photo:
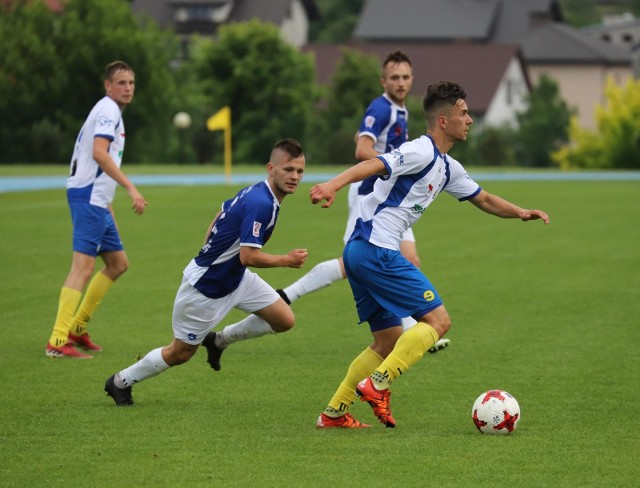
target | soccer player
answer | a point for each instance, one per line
(217, 279)
(95, 172)
(385, 284)
(382, 129)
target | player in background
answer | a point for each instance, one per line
(385, 284)
(95, 172)
(217, 279)
(384, 128)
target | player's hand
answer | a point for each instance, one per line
(297, 257)
(535, 215)
(139, 203)
(323, 192)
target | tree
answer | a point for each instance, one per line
(355, 82)
(544, 126)
(338, 19)
(616, 141)
(52, 71)
(268, 84)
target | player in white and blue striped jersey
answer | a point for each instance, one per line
(385, 284)
(94, 174)
(218, 279)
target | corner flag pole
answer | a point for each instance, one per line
(221, 120)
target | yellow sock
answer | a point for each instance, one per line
(360, 368)
(96, 291)
(67, 305)
(410, 348)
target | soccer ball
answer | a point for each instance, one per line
(495, 412)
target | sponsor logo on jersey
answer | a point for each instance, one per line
(397, 154)
(256, 229)
(429, 296)
(369, 120)
(417, 209)
(103, 121)
(191, 336)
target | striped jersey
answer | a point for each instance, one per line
(248, 219)
(417, 174)
(387, 124)
(87, 182)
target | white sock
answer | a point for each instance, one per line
(248, 328)
(321, 275)
(408, 322)
(150, 365)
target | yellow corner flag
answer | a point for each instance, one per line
(221, 120)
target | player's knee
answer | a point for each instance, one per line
(442, 325)
(284, 323)
(120, 267)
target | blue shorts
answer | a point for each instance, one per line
(94, 230)
(386, 286)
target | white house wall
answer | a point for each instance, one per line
(295, 28)
(509, 98)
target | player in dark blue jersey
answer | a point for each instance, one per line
(218, 279)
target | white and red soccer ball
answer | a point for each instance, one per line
(496, 412)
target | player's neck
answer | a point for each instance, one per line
(441, 141)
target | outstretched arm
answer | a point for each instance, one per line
(256, 258)
(494, 205)
(327, 191)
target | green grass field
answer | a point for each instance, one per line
(548, 313)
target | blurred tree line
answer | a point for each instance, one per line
(51, 74)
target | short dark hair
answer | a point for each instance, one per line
(290, 146)
(396, 56)
(114, 67)
(439, 96)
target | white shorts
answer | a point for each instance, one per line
(352, 203)
(194, 314)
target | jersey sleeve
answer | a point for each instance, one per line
(375, 120)
(410, 158)
(258, 219)
(460, 184)
(107, 119)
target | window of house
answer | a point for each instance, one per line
(217, 12)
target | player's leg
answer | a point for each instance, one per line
(408, 350)
(409, 250)
(268, 314)
(82, 266)
(194, 315)
(361, 367)
(115, 264)
(320, 276)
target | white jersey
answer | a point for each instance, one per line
(417, 174)
(87, 181)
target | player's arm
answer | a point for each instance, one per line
(364, 148)
(102, 157)
(256, 258)
(213, 222)
(327, 191)
(494, 205)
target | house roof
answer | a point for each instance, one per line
(479, 68)
(53, 5)
(272, 11)
(436, 20)
(516, 17)
(559, 43)
(426, 19)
